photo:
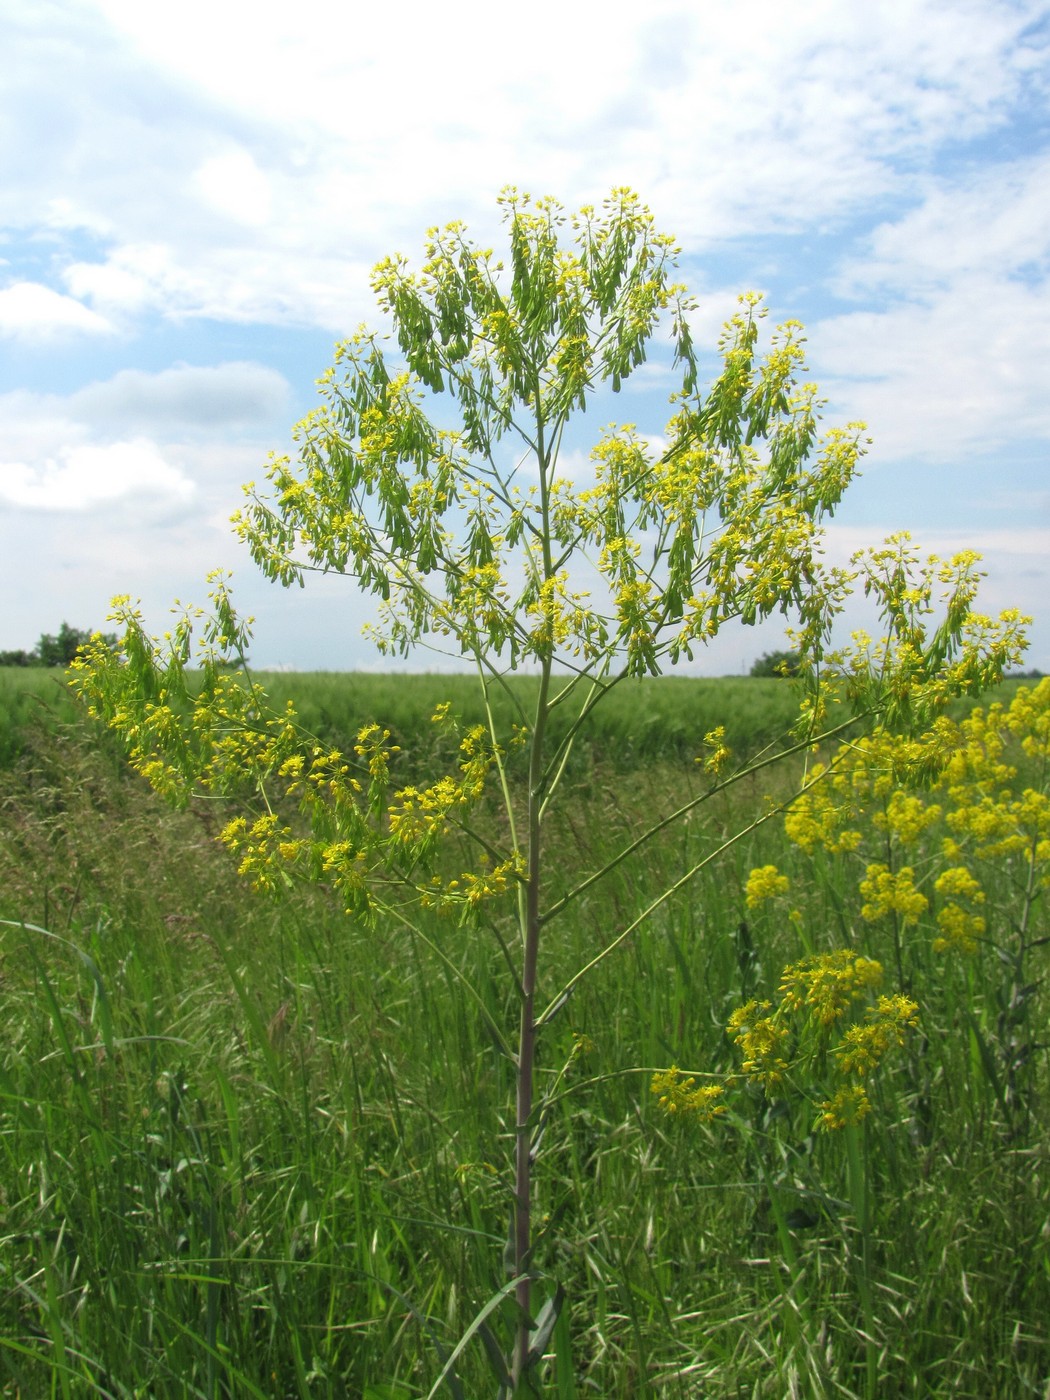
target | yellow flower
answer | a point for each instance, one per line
(765, 882)
(864, 1047)
(958, 883)
(677, 1093)
(826, 985)
(845, 1108)
(959, 929)
(906, 816)
(888, 893)
(763, 1042)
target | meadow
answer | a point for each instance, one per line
(254, 1148)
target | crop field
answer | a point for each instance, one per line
(254, 1146)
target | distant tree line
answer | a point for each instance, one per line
(785, 663)
(57, 650)
(776, 663)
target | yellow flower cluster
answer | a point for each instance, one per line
(891, 892)
(218, 734)
(815, 1030)
(563, 618)
(973, 792)
(719, 752)
(764, 1040)
(1004, 825)
(263, 848)
(765, 882)
(868, 778)
(471, 887)
(846, 1107)
(678, 1094)
(992, 815)
(374, 747)
(863, 1047)
(906, 816)
(418, 814)
(960, 927)
(824, 815)
(824, 986)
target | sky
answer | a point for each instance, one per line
(192, 197)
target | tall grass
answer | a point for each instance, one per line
(247, 1149)
(660, 719)
(657, 719)
(29, 694)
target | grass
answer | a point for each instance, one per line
(642, 721)
(652, 721)
(253, 1149)
(27, 694)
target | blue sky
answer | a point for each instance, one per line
(192, 197)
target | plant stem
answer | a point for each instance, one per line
(530, 961)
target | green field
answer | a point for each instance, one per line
(661, 718)
(255, 1148)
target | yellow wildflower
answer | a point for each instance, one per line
(678, 1093)
(763, 1042)
(888, 893)
(864, 1047)
(825, 985)
(765, 882)
(845, 1108)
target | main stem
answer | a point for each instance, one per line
(527, 1038)
(530, 960)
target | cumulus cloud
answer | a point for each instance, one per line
(134, 278)
(186, 398)
(290, 164)
(990, 221)
(965, 373)
(30, 311)
(234, 184)
(226, 281)
(126, 486)
(958, 359)
(82, 478)
(139, 437)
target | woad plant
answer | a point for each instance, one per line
(432, 476)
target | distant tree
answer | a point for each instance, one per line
(60, 650)
(57, 650)
(777, 663)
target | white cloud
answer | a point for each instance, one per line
(968, 373)
(959, 359)
(233, 184)
(897, 70)
(774, 127)
(178, 440)
(172, 406)
(991, 222)
(30, 311)
(134, 277)
(187, 399)
(266, 283)
(289, 163)
(83, 477)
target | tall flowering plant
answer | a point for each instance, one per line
(433, 476)
(936, 849)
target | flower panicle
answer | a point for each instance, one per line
(679, 1095)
